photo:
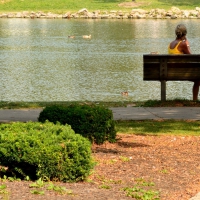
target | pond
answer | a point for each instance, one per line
(39, 62)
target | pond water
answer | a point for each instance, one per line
(39, 62)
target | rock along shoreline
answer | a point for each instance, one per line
(173, 13)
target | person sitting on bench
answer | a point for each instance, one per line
(181, 46)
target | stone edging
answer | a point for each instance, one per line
(173, 13)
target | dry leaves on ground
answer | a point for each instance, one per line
(170, 162)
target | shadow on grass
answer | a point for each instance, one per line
(131, 144)
(151, 127)
(180, 2)
(122, 144)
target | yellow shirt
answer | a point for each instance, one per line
(174, 50)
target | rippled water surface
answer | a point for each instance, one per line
(39, 62)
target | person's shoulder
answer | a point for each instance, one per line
(184, 43)
(173, 44)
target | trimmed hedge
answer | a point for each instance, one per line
(44, 150)
(93, 122)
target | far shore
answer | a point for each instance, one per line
(173, 13)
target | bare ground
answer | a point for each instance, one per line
(130, 4)
(170, 162)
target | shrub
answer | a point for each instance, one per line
(44, 150)
(93, 122)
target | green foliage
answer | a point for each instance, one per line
(38, 184)
(138, 191)
(4, 192)
(49, 151)
(39, 192)
(93, 122)
(124, 159)
(40, 187)
(58, 189)
(2, 187)
(104, 186)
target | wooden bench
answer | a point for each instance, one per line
(165, 67)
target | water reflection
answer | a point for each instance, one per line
(39, 62)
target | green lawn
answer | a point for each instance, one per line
(61, 6)
(149, 103)
(16, 105)
(167, 127)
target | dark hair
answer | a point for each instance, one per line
(180, 30)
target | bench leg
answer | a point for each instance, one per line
(163, 90)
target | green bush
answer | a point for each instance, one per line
(44, 150)
(93, 122)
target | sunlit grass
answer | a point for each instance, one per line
(167, 4)
(61, 6)
(151, 127)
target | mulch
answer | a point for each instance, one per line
(172, 163)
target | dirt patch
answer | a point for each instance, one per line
(4, 1)
(130, 4)
(170, 162)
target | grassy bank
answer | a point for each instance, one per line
(61, 6)
(149, 103)
(16, 105)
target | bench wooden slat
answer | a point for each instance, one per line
(183, 67)
(183, 73)
(165, 67)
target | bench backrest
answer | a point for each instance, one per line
(171, 67)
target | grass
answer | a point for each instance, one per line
(12, 105)
(171, 103)
(145, 127)
(167, 4)
(149, 103)
(165, 127)
(61, 6)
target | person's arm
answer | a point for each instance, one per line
(185, 47)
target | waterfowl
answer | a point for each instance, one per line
(125, 93)
(86, 36)
(71, 36)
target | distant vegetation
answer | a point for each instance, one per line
(61, 6)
